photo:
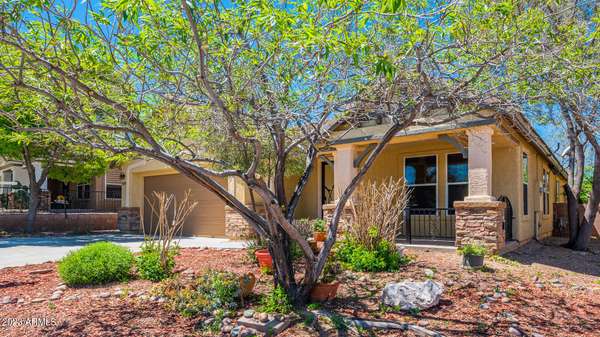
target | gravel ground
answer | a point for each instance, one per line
(559, 296)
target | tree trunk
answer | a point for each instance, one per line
(34, 201)
(572, 216)
(283, 273)
(591, 210)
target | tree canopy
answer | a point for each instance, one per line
(249, 89)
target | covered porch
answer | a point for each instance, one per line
(461, 179)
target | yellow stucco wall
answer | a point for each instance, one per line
(507, 150)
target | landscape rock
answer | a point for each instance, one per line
(248, 313)
(428, 272)
(514, 331)
(7, 300)
(235, 331)
(412, 295)
(21, 301)
(56, 295)
(38, 300)
(263, 317)
(118, 293)
(73, 297)
(484, 306)
(104, 294)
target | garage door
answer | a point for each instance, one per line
(207, 219)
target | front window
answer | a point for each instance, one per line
(546, 192)
(421, 176)
(7, 176)
(525, 172)
(113, 191)
(458, 178)
(83, 191)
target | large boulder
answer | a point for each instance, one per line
(408, 295)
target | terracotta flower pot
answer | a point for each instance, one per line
(314, 246)
(324, 291)
(264, 258)
(319, 236)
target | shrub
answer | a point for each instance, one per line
(252, 245)
(377, 209)
(150, 265)
(319, 225)
(211, 291)
(277, 301)
(158, 251)
(472, 249)
(304, 226)
(96, 263)
(357, 257)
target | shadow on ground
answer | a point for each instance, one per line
(69, 240)
(550, 253)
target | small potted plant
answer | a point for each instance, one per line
(473, 255)
(319, 230)
(326, 288)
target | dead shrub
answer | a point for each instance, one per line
(377, 208)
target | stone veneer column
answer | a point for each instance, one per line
(236, 227)
(44, 201)
(128, 219)
(480, 223)
(346, 218)
(480, 164)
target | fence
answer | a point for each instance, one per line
(17, 197)
(428, 224)
(14, 197)
(75, 201)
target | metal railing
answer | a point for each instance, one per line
(75, 201)
(428, 224)
(14, 197)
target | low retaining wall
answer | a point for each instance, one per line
(58, 222)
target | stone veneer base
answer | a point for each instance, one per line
(480, 223)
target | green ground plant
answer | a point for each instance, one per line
(472, 249)
(357, 257)
(149, 262)
(277, 301)
(211, 291)
(96, 263)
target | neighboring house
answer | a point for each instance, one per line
(12, 173)
(457, 171)
(101, 193)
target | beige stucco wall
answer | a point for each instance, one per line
(507, 152)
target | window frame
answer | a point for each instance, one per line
(83, 185)
(113, 185)
(12, 176)
(545, 192)
(437, 175)
(448, 183)
(106, 184)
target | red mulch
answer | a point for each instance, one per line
(568, 308)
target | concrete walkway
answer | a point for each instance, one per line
(21, 251)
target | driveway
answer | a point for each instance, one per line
(20, 251)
